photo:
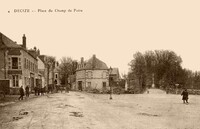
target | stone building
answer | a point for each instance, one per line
(92, 74)
(56, 74)
(17, 64)
(114, 75)
(41, 71)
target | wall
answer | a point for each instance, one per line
(97, 78)
(2, 64)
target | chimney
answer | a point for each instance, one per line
(94, 61)
(35, 49)
(24, 41)
(82, 60)
(94, 56)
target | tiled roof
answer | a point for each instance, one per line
(95, 63)
(8, 42)
(114, 71)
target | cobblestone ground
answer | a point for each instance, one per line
(76, 110)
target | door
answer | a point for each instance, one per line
(104, 85)
(80, 85)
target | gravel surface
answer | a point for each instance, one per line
(76, 110)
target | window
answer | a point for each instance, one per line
(25, 63)
(19, 63)
(14, 63)
(104, 84)
(9, 63)
(56, 75)
(55, 81)
(29, 65)
(89, 74)
(104, 74)
(89, 84)
(33, 67)
(15, 80)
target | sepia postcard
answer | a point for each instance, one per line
(101, 64)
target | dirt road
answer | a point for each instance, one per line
(76, 110)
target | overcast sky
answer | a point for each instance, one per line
(112, 29)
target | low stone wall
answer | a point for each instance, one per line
(190, 91)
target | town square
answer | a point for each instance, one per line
(99, 64)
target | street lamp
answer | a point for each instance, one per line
(110, 80)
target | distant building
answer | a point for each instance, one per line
(56, 74)
(41, 71)
(114, 75)
(17, 64)
(92, 74)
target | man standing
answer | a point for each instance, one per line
(21, 91)
(185, 96)
(27, 91)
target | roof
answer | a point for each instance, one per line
(94, 64)
(114, 71)
(8, 42)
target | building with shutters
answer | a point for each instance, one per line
(92, 74)
(18, 64)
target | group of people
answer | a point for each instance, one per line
(39, 91)
(21, 91)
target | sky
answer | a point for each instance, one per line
(112, 30)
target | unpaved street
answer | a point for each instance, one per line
(76, 110)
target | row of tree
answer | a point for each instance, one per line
(162, 68)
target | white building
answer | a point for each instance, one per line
(92, 74)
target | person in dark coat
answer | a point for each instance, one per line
(21, 91)
(185, 96)
(27, 91)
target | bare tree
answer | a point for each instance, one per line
(67, 67)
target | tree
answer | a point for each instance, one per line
(138, 65)
(67, 67)
(162, 66)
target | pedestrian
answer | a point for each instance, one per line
(35, 89)
(21, 91)
(185, 96)
(27, 91)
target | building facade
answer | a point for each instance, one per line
(92, 74)
(17, 64)
(56, 74)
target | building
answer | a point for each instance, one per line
(41, 71)
(114, 76)
(17, 64)
(92, 74)
(56, 74)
